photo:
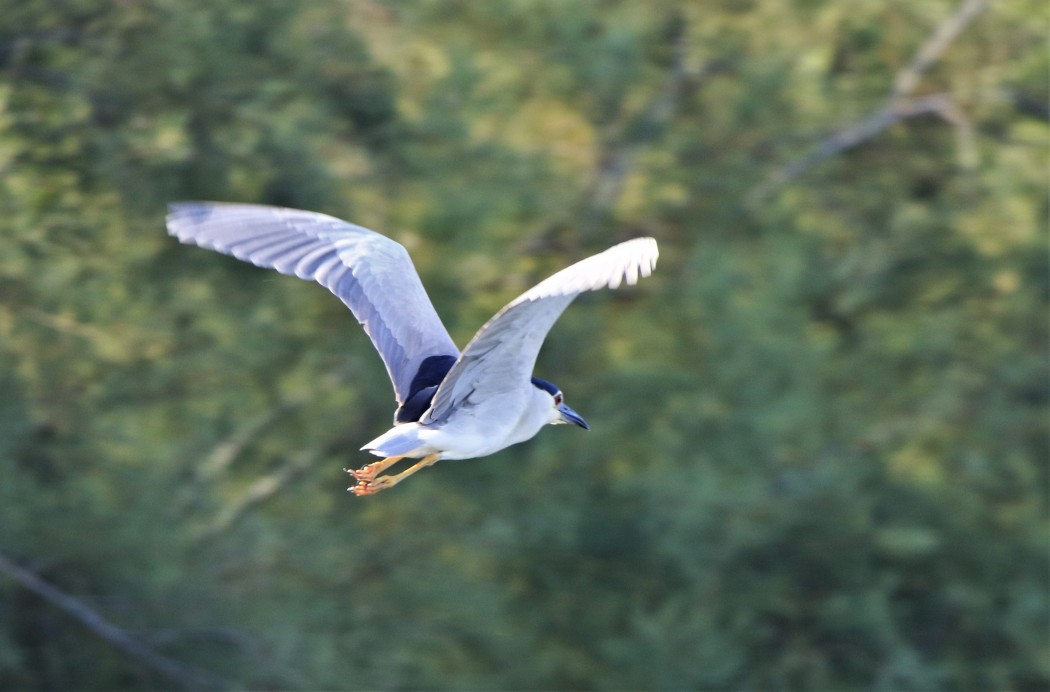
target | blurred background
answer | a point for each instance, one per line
(819, 447)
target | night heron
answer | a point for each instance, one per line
(451, 405)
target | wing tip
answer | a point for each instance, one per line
(624, 262)
(648, 254)
(182, 215)
(639, 260)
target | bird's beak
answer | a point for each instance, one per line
(570, 416)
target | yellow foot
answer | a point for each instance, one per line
(368, 472)
(371, 487)
(368, 483)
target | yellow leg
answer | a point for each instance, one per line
(374, 484)
(370, 471)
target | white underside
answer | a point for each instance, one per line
(471, 432)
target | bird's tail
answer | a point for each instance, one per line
(401, 440)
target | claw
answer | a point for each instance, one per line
(368, 472)
(369, 483)
(362, 488)
(371, 487)
(365, 473)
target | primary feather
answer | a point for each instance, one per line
(503, 352)
(372, 274)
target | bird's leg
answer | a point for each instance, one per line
(374, 484)
(370, 471)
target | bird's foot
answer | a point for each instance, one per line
(370, 483)
(371, 487)
(368, 472)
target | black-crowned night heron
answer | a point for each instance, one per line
(451, 405)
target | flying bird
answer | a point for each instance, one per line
(451, 404)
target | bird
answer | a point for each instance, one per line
(452, 404)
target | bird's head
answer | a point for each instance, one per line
(560, 413)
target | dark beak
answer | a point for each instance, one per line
(570, 416)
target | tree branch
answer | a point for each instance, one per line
(258, 492)
(266, 487)
(113, 635)
(223, 454)
(930, 51)
(899, 105)
(624, 140)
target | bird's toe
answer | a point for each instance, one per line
(365, 473)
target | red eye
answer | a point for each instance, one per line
(558, 398)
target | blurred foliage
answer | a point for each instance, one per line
(819, 456)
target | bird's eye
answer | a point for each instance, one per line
(558, 398)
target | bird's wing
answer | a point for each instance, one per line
(502, 354)
(372, 274)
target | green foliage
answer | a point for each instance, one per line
(819, 456)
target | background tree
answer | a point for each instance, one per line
(819, 456)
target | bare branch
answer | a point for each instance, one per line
(258, 492)
(625, 139)
(620, 148)
(265, 488)
(894, 112)
(898, 106)
(908, 78)
(223, 454)
(113, 635)
(226, 451)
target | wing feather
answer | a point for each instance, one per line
(503, 352)
(370, 273)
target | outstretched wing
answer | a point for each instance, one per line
(503, 353)
(372, 274)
